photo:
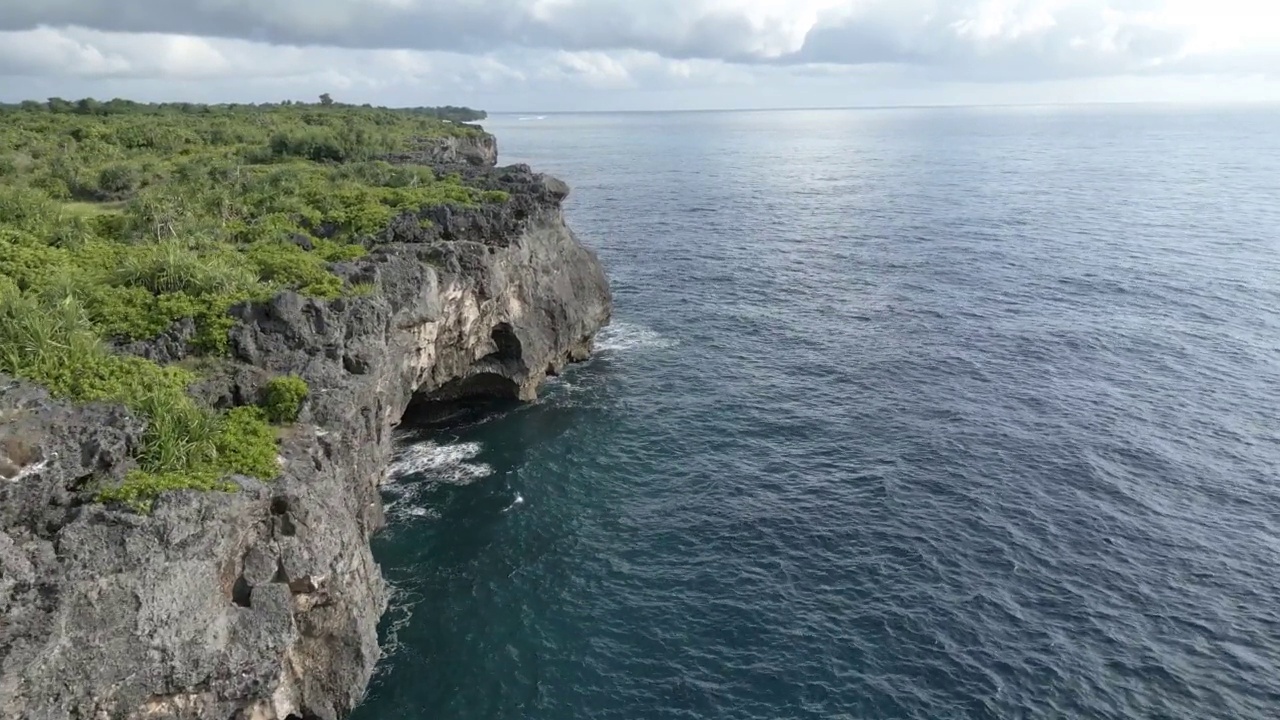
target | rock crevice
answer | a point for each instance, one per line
(263, 604)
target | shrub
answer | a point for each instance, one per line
(282, 399)
(289, 265)
(54, 187)
(73, 233)
(48, 344)
(241, 442)
(140, 488)
(161, 215)
(111, 226)
(27, 261)
(213, 324)
(364, 289)
(119, 180)
(126, 311)
(312, 144)
(171, 266)
(331, 251)
(271, 227)
(27, 209)
(180, 434)
(246, 444)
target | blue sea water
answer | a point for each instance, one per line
(944, 413)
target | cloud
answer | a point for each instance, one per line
(530, 46)
(676, 28)
(1004, 39)
(193, 68)
(45, 50)
(1062, 36)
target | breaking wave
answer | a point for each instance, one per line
(451, 464)
(421, 466)
(623, 336)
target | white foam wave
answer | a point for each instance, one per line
(400, 605)
(405, 508)
(419, 467)
(621, 337)
(563, 385)
(442, 463)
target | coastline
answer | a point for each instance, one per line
(263, 603)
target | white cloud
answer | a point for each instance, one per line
(740, 30)
(565, 47)
(48, 51)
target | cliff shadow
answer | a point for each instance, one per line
(461, 402)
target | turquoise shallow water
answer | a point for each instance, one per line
(904, 414)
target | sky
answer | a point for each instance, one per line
(566, 55)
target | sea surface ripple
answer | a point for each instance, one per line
(963, 413)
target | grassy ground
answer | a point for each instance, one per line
(92, 209)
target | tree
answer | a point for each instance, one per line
(326, 100)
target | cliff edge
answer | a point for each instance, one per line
(263, 604)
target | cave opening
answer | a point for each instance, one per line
(461, 402)
(487, 390)
(507, 347)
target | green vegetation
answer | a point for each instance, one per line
(452, 113)
(284, 396)
(151, 214)
(246, 444)
(185, 446)
(119, 219)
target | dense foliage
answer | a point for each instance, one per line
(118, 106)
(284, 396)
(119, 219)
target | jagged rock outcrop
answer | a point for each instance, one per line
(263, 604)
(479, 150)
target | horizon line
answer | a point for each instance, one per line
(932, 106)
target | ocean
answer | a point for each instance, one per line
(909, 413)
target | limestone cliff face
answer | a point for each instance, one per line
(263, 604)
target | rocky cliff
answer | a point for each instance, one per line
(263, 604)
(478, 150)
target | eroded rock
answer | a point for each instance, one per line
(263, 604)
